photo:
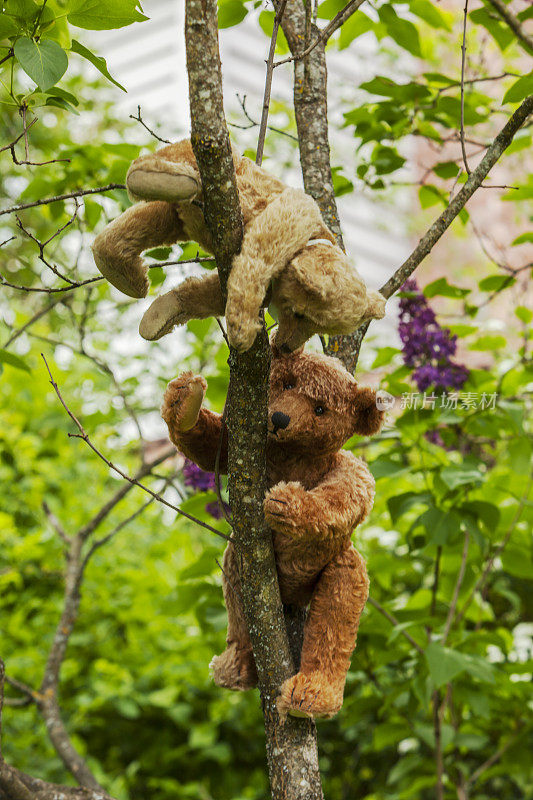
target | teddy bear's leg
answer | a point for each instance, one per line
(169, 174)
(329, 639)
(118, 247)
(270, 240)
(195, 298)
(235, 668)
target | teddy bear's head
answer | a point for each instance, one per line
(315, 405)
(320, 292)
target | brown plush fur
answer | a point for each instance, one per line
(317, 494)
(315, 289)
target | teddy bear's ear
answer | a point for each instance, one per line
(368, 417)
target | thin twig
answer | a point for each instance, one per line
(268, 83)
(31, 321)
(492, 759)
(457, 589)
(138, 118)
(338, 20)
(55, 523)
(394, 621)
(84, 435)
(463, 62)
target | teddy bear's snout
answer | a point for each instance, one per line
(280, 421)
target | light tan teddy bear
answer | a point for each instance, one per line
(286, 247)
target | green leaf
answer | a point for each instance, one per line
(439, 525)
(430, 196)
(459, 475)
(102, 15)
(45, 62)
(445, 664)
(495, 283)
(231, 12)
(430, 13)
(489, 342)
(404, 92)
(385, 356)
(400, 30)
(442, 288)
(500, 32)
(446, 169)
(355, 26)
(524, 238)
(524, 314)
(97, 61)
(521, 89)
(8, 26)
(401, 503)
(14, 361)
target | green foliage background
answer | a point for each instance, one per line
(135, 687)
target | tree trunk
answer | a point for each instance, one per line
(291, 746)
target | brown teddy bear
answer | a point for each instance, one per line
(317, 494)
(286, 246)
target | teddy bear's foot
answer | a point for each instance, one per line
(128, 276)
(164, 313)
(234, 669)
(151, 178)
(310, 696)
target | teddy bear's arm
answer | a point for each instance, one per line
(330, 510)
(118, 247)
(194, 430)
(270, 241)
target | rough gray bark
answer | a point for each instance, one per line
(291, 747)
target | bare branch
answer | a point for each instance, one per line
(513, 23)
(268, 83)
(338, 20)
(394, 621)
(442, 223)
(55, 523)
(457, 589)
(37, 316)
(138, 118)
(57, 198)
(84, 435)
(463, 62)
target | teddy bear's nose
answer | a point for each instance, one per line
(279, 420)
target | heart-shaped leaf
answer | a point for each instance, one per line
(45, 62)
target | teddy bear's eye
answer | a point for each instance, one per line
(298, 316)
(287, 386)
(319, 410)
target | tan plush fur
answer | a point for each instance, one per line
(317, 495)
(315, 289)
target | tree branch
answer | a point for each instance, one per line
(134, 481)
(268, 83)
(513, 23)
(443, 222)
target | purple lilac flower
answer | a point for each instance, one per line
(427, 347)
(213, 508)
(197, 478)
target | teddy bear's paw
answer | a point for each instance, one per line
(282, 507)
(234, 669)
(309, 695)
(241, 334)
(161, 317)
(129, 276)
(183, 399)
